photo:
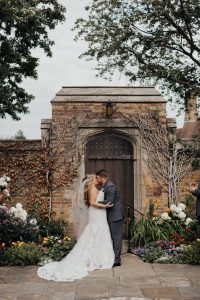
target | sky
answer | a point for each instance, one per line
(63, 69)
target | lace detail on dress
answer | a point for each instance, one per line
(94, 250)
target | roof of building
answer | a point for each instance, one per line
(190, 130)
(104, 93)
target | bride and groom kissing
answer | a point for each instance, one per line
(100, 238)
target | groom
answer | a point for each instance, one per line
(115, 214)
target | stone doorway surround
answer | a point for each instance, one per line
(119, 128)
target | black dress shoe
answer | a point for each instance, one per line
(116, 264)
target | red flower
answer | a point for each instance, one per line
(188, 229)
(178, 237)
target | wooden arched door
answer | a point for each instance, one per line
(114, 153)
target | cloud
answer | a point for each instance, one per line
(63, 69)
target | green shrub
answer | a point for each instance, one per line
(151, 254)
(51, 228)
(147, 230)
(55, 248)
(191, 255)
(21, 255)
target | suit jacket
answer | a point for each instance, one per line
(197, 194)
(111, 194)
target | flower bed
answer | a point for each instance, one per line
(20, 254)
(170, 237)
(55, 248)
(29, 239)
(170, 252)
(21, 242)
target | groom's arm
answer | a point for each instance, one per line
(110, 194)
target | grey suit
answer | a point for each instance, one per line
(197, 194)
(115, 216)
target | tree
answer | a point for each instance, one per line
(168, 160)
(24, 26)
(151, 41)
(19, 135)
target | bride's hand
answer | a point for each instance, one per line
(108, 205)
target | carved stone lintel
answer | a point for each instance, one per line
(107, 123)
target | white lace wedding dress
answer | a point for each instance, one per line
(94, 250)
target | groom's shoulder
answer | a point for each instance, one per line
(109, 184)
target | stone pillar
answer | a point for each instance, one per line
(171, 126)
(45, 131)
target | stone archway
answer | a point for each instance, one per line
(112, 151)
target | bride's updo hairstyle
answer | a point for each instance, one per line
(87, 180)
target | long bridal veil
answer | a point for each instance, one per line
(80, 212)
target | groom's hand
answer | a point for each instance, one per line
(108, 205)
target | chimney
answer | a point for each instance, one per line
(191, 112)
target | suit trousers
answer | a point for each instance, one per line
(116, 229)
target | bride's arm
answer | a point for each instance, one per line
(92, 199)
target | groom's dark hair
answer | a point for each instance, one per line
(102, 173)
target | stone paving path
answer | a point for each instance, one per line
(134, 280)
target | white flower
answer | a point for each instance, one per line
(162, 258)
(4, 181)
(173, 207)
(23, 216)
(182, 206)
(12, 209)
(18, 212)
(188, 221)
(33, 221)
(181, 215)
(178, 210)
(19, 206)
(165, 216)
(3, 206)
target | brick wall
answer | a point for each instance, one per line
(23, 161)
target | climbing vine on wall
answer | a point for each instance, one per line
(38, 169)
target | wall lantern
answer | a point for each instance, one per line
(109, 109)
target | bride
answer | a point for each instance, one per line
(94, 249)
